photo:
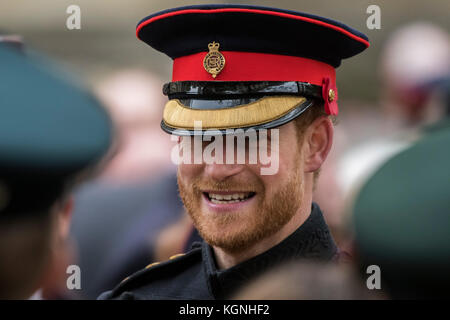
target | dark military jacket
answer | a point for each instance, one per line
(194, 275)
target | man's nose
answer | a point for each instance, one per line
(220, 172)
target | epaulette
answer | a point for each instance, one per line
(157, 270)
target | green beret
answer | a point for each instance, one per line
(402, 219)
(50, 129)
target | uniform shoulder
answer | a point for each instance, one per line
(155, 272)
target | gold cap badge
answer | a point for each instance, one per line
(214, 61)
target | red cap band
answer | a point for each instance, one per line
(249, 66)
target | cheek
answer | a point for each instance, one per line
(286, 164)
(273, 182)
(290, 158)
(189, 172)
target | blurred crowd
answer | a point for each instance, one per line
(126, 213)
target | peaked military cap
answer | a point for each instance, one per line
(50, 129)
(402, 219)
(241, 66)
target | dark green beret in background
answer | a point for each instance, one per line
(50, 130)
(402, 219)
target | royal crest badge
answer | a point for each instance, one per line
(214, 61)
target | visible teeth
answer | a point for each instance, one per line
(228, 198)
(220, 202)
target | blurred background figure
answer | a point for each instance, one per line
(414, 57)
(402, 220)
(309, 281)
(414, 84)
(135, 101)
(52, 133)
(131, 214)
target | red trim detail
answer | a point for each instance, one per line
(274, 13)
(249, 66)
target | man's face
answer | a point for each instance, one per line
(233, 206)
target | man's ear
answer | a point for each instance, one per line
(318, 140)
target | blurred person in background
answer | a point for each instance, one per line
(401, 219)
(133, 98)
(53, 282)
(52, 133)
(414, 56)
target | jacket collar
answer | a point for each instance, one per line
(311, 240)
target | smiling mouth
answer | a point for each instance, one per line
(228, 197)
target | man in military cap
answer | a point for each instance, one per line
(51, 132)
(273, 79)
